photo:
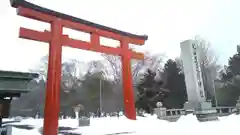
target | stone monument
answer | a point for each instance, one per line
(194, 83)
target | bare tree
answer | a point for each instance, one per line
(72, 72)
(97, 66)
(114, 68)
(42, 68)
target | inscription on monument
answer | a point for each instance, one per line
(198, 69)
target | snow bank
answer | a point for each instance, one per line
(187, 125)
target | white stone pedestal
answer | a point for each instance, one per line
(202, 110)
(77, 115)
(161, 112)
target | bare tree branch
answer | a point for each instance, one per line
(150, 61)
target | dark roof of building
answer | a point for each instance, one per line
(8, 81)
(18, 75)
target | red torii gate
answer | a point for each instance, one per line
(56, 40)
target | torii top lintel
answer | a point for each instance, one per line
(117, 34)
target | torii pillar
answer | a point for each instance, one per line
(56, 40)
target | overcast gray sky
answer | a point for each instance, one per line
(166, 22)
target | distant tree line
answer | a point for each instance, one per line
(153, 80)
(229, 89)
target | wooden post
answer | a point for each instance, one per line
(52, 104)
(128, 93)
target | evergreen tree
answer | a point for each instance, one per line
(234, 63)
(229, 93)
(150, 92)
(233, 69)
(176, 84)
(226, 75)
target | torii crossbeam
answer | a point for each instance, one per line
(56, 40)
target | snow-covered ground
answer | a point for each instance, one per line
(149, 125)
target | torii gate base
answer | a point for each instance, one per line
(56, 40)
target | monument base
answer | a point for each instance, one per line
(190, 106)
(202, 110)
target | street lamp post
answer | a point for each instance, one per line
(100, 76)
